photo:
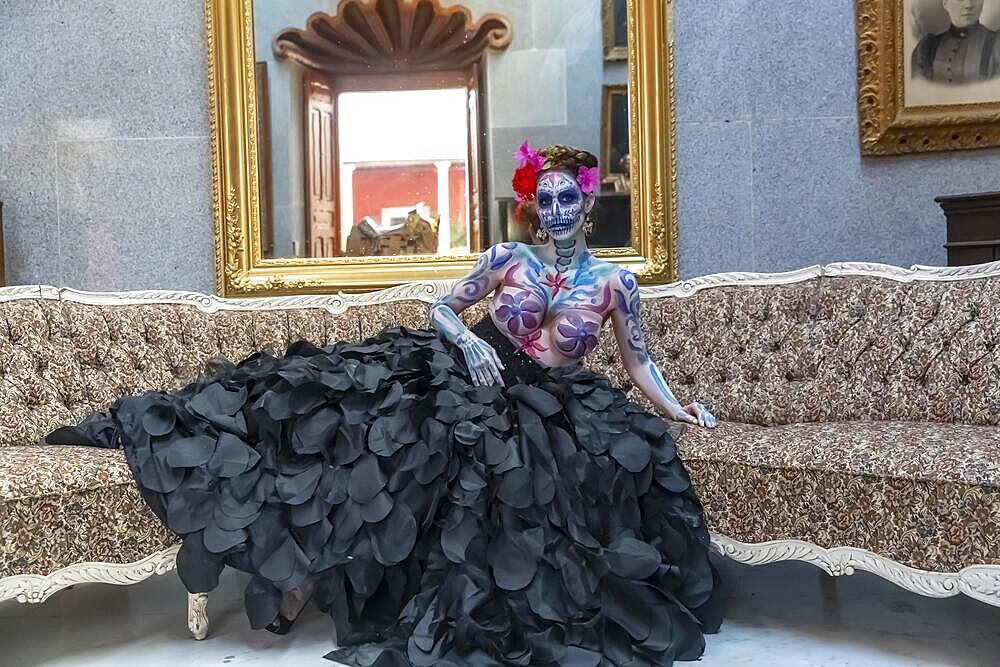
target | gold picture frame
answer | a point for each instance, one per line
(609, 95)
(613, 48)
(242, 271)
(888, 125)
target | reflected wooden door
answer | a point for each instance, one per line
(473, 172)
(321, 192)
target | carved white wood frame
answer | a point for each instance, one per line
(981, 582)
(37, 588)
(430, 291)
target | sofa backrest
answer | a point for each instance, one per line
(836, 343)
(840, 346)
(829, 344)
(65, 354)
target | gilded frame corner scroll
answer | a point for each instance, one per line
(241, 270)
(887, 126)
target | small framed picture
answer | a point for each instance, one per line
(616, 183)
(928, 75)
(615, 15)
(615, 132)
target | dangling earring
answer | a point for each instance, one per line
(542, 234)
(588, 226)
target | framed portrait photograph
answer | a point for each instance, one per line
(615, 156)
(928, 75)
(615, 14)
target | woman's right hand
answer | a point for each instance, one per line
(483, 361)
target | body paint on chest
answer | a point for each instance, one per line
(586, 291)
(522, 312)
(579, 336)
(529, 344)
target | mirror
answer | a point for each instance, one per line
(378, 135)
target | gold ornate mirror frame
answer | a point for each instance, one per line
(242, 270)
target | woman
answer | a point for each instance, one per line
(459, 497)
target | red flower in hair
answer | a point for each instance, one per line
(524, 183)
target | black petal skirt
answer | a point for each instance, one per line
(547, 522)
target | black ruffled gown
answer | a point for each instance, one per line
(547, 522)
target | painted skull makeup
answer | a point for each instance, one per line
(560, 205)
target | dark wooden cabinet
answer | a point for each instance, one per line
(612, 224)
(3, 252)
(973, 227)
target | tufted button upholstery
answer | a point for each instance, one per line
(823, 349)
(843, 348)
(63, 360)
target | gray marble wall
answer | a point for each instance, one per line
(104, 149)
(105, 166)
(771, 176)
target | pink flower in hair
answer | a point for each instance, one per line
(588, 178)
(527, 155)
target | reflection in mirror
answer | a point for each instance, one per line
(388, 171)
(386, 127)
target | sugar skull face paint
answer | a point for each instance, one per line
(561, 205)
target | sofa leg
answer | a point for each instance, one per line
(198, 614)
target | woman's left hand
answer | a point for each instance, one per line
(693, 413)
(701, 413)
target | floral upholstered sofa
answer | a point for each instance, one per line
(859, 403)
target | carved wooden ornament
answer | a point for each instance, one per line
(367, 37)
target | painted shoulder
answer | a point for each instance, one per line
(625, 287)
(501, 255)
(516, 247)
(624, 279)
(602, 268)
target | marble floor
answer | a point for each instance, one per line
(778, 616)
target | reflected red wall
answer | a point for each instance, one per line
(376, 188)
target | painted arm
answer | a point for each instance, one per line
(483, 362)
(642, 369)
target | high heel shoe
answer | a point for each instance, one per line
(292, 604)
(280, 625)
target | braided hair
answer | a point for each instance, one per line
(557, 158)
(566, 158)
